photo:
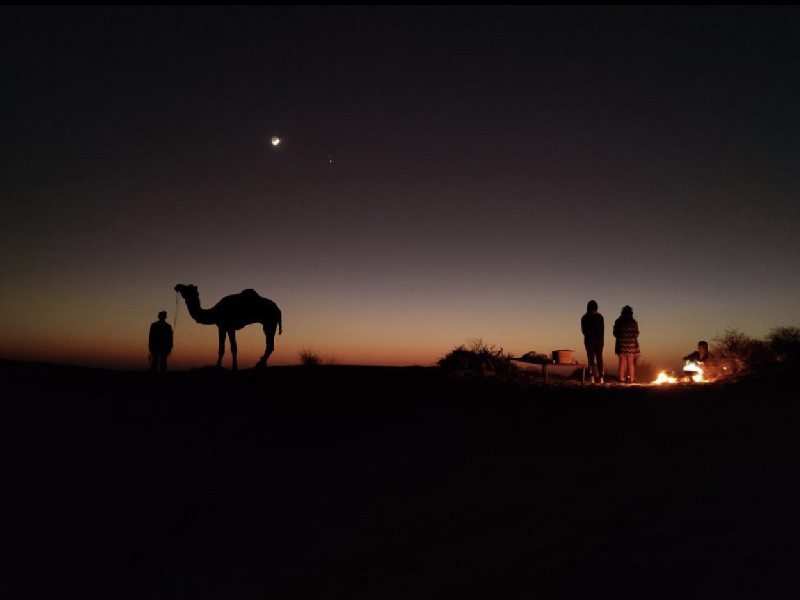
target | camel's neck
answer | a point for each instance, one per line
(201, 315)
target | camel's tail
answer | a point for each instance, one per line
(280, 322)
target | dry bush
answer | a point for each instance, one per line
(742, 352)
(309, 358)
(784, 342)
(477, 359)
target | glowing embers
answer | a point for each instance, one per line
(692, 373)
(666, 377)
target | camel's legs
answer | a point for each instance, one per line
(269, 332)
(221, 352)
(232, 336)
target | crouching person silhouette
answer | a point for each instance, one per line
(700, 361)
(699, 356)
(160, 343)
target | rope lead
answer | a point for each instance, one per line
(175, 318)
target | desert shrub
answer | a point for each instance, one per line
(477, 358)
(309, 358)
(741, 351)
(784, 342)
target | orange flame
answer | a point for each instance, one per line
(664, 378)
(691, 372)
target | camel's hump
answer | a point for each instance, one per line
(250, 295)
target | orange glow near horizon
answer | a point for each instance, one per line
(391, 232)
(375, 328)
(198, 349)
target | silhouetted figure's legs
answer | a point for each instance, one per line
(234, 348)
(626, 368)
(158, 362)
(599, 359)
(594, 354)
(590, 360)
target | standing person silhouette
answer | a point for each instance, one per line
(593, 329)
(160, 343)
(626, 330)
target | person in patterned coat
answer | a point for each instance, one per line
(626, 332)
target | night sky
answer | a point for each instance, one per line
(446, 174)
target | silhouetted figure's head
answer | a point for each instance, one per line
(627, 311)
(162, 315)
(702, 347)
(591, 306)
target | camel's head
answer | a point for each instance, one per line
(187, 291)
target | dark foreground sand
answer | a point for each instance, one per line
(395, 483)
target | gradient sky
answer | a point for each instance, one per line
(446, 174)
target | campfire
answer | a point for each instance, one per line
(692, 373)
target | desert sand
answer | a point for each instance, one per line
(395, 483)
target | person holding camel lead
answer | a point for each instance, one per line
(160, 343)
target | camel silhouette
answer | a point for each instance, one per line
(234, 312)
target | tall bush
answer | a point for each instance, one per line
(784, 342)
(741, 351)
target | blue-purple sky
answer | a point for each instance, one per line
(446, 174)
